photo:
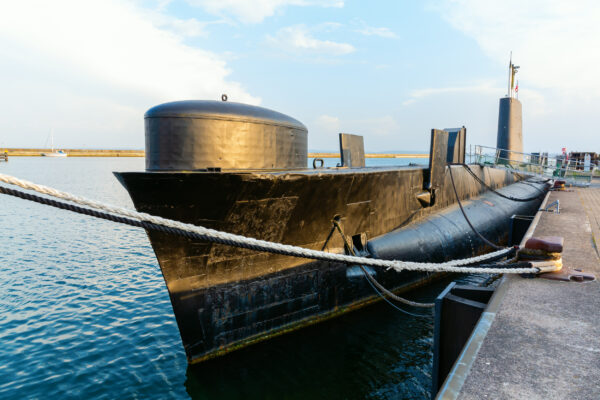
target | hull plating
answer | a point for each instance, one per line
(225, 297)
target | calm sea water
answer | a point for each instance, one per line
(84, 313)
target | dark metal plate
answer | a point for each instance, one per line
(437, 159)
(352, 150)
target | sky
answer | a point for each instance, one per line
(388, 70)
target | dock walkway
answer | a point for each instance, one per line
(540, 339)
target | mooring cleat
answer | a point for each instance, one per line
(543, 267)
(550, 244)
(545, 248)
(547, 266)
(559, 184)
(569, 275)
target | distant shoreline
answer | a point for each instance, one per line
(23, 152)
(370, 155)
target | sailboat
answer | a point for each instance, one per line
(53, 152)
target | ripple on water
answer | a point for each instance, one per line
(84, 313)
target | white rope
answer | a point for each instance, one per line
(454, 266)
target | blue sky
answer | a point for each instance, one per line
(389, 70)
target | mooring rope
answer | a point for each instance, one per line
(395, 306)
(524, 200)
(148, 221)
(462, 210)
(374, 281)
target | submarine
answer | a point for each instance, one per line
(243, 169)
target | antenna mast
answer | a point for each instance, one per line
(512, 70)
(509, 70)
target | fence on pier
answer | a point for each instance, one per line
(574, 172)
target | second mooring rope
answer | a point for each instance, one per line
(214, 236)
(462, 210)
(383, 291)
(491, 189)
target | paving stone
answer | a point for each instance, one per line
(544, 342)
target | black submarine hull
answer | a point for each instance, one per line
(225, 298)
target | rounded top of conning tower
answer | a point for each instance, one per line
(203, 134)
(224, 110)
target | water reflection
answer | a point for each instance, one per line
(374, 352)
(84, 312)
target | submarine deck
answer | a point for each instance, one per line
(543, 336)
(299, 171)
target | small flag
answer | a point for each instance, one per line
(517, 88)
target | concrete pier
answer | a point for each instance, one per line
(540, 339)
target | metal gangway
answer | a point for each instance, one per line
(576, 173)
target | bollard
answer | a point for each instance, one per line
(546, 254)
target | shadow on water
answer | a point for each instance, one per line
(375, 352)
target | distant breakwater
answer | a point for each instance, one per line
(370, 155)
(15, 152)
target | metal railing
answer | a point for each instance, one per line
(574, 172)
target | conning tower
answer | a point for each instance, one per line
(510, 121)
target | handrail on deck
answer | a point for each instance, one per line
(537, 164)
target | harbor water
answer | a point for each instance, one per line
(85, 313)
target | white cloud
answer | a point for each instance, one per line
(298, 37)
(475, 106)
(327, 123)
(182, 27)
(257, 10)
(376, 126)
(107, 55)
(361, 27)
(328, 26)
(374, 31)
(554, 41)
(486, 88)
(323, 133)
